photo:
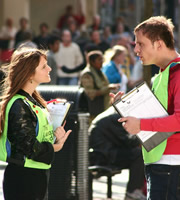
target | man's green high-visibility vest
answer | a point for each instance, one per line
(160, 89)
(44, 132)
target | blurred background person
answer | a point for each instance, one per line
(24, 27)
(53, 44)
(113, 68)
(42, 39)
(69, 12)
(8, 32)
(130, 59)
(96, 85)
(107, 35)
(120, 20)
(75, 32)
(137, 74)
(114, 148)
(96, 24)
(69, 55)
(26, 40)
(7, 35)
(95, 38)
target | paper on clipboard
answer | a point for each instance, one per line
(141, 103)
(58, 112)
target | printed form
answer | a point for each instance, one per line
(141, 103)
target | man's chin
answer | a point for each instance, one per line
(145, 63)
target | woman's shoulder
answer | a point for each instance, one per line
(109, 67)
(110, 64)
(20, 110)
(19, 105)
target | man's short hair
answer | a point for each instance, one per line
(44, 24)
(157, 28)
(92, 55)
(52, 39)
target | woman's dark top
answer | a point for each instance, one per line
(22, 135)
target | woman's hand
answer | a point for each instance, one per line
(61, 136)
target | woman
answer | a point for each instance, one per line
(27, 136)
(113, 69)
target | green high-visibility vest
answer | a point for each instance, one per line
(160, 89)
(44, 132)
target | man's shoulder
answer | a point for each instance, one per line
(174, 74)
(74, 45)
(175, 67)
(86, 70)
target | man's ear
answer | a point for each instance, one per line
(159, 44)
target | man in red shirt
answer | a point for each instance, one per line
(155, 45)
(69, 17)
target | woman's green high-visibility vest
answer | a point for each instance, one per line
(160, 89)
(44, 132)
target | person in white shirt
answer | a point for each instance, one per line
(69, 55)
(8, 32)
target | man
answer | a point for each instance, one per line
(69, 15)
(96, 24)
(155, 45)
(42, 39)
(96, 40)
(21, 34)
(53, 44)
(7, 34)
(69, 55)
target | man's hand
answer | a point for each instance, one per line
(131, 124)
(115, 97)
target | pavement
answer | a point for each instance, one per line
(119, 183)
(2, 167)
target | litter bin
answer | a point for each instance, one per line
(69, 171)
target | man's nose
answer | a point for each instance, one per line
(136, 49)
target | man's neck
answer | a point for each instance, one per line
(166, 58)
(66, 44)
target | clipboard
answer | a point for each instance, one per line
(140, 102)
(59, 110)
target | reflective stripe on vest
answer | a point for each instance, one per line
(160, 89)
(44, 132)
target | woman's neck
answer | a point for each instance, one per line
(29, 88)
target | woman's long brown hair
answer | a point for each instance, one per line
(22, 66)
